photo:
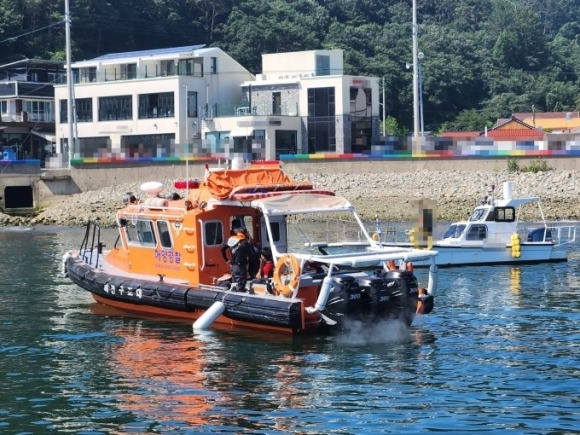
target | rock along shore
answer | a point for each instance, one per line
(390, 196)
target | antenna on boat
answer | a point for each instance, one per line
(377, 229)
(187, 176)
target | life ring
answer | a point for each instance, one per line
(286, 275)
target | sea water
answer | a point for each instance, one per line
(500, 352)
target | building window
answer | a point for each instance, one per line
(191, 67)
(115, 108)
(322, 65)
(286, 141)
(160, 105)
(321, 102)
(213, 65)
(129, 71)
(148, 145)
(84, 109)
(168, 68)
(39, 111)
(276, 103)
(321, 122)
(191, 104)
(4, 107)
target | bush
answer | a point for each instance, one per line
(512, 165)
(535, 166)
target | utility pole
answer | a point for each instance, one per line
(415, 75)
(69, 80)
(384, 110)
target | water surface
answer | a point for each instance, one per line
(500, 352)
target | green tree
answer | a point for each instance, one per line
(255, 27)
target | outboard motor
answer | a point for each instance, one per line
(537, 235)
(374, 297)
(344, 299)
(403, 291)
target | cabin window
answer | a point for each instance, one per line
(478, 214)
(142, 234)
(244, 222)
(454, 232)
(275, 228)
(505, 214)
(213, 233)
(164, 234)
(477, 232)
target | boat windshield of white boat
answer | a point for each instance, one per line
(305, 235)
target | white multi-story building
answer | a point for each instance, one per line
(147, 104)
(302, 103)
(27, 108)
(198, 101)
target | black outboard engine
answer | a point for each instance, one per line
(374, 297)
(344, 300)
(403, 291)
(537, 235)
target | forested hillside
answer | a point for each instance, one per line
(484, 59)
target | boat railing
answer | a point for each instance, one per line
(555, 232)
(564, 234)
(337, 230)
(145, 210)
(392, 235)
(91, 245)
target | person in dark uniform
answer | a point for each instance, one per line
(241, 253)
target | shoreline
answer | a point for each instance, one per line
(390, 196)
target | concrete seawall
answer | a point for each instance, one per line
(89, 177)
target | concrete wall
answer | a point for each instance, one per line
(20, 173)
(84, 178)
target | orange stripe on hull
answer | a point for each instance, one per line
(191, 316)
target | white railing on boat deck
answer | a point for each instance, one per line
(344, 230)
(565, 234)
(555, 232)
(144, 210)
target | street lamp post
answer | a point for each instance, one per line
(420, 57)
(419, 107)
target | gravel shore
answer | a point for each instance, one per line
(391, 196)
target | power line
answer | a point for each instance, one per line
(12, 38)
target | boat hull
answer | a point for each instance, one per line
(188, 303)
(356, 296)
(452, 256)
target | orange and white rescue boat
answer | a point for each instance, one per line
(167, 260)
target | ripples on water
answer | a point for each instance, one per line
(500, 352)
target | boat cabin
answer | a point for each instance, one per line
(480, 222)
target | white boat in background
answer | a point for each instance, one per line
(494, 234)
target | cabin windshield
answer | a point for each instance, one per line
(478, 214)
(454, 231)
(140, 232)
